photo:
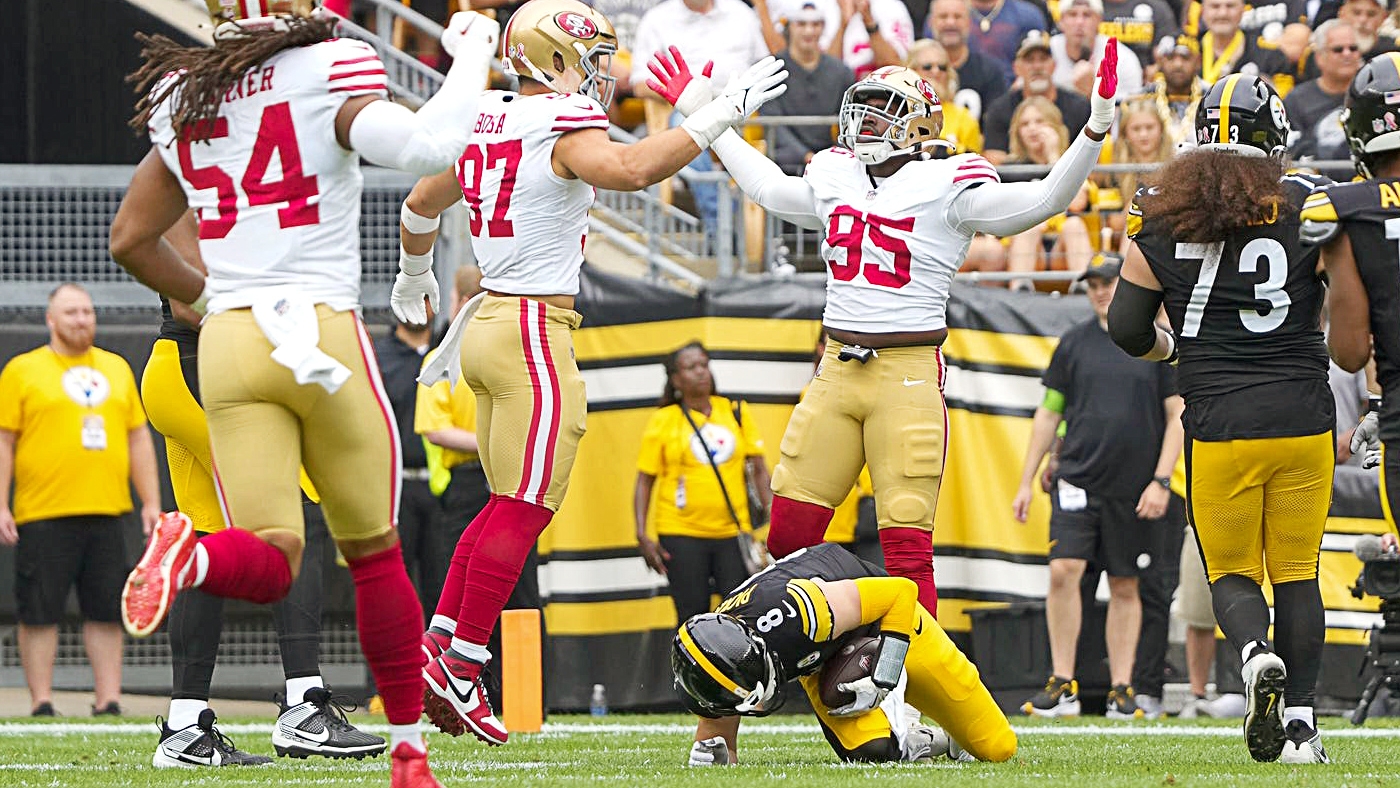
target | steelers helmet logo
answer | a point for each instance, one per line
(576, 25)
(1276, 109)
(86, 386)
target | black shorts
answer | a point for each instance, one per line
(54, 555)
(1107, 533)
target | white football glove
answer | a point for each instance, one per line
(1367, 435)
(406, 299)
(868, 696)
(763, 82)
(709, 752)
(472, 34)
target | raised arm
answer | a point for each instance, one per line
(1010, 208)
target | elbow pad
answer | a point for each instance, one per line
(392, 135)
(1130, 318)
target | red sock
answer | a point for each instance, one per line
(500, 554)
(909, 553)
(242, 566)
(796, 525)
(450, 603)
(390, 621)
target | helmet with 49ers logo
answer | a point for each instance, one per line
(892, 111)
(564, 45)
(233, 18)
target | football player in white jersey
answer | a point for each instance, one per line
(897, 224)
(262, 135)
(528, 178)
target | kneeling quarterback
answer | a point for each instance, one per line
(786, 621)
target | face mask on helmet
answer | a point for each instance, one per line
(1242, 114)
(1371, 115)
(891, 112)
(564, 45)
(721, 669)
(234, 18)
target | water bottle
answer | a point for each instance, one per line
(598, 704)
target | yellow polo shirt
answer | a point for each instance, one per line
(71, 418)
(440, 407)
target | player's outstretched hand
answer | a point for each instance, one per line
(763, 82)
(471, 35)
(1101, 98)
(674, 82)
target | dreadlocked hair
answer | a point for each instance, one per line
(204, 74)
(1205, 194)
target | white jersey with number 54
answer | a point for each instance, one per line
(278, 197)
(528, 225)
(891, 249)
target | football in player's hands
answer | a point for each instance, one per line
(853, 661)
(470, 29)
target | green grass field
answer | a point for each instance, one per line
(649, 751)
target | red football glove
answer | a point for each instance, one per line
(1108, 69)
(1101, 104)
(673, 73)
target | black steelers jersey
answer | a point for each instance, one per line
(171, 328)
(791, 613)
(1245, 311)
(1369, 213)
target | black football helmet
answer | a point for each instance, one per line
(722, 668)
(1371, 115)
(1242, 114)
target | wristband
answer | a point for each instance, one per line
(416, 223)
(1373, 403)
(201, 304)
(415, 264)
(872, 29)
(1165, 481)
(890, 661)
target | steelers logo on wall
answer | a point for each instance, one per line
(86, 386)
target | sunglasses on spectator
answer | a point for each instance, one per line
(1337, 50)
(932, 66)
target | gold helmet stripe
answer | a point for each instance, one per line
(1225, 94)
(706, 665)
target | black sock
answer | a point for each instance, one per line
(195, 624)
(1240, 610)
(298, 616)
(1299, 631)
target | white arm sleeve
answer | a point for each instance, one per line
(428, 141)
(1004, 209)
(788, 196)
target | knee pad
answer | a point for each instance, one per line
(910, 509)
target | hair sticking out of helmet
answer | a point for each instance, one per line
(1371, 114)
(1242, 114)
(235, 18)
(893, 111)
(564, 45)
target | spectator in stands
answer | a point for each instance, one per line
(1226, 49)
(1039, 136)
(1078, 48)
(816, 81)
(690, 490)
(725, 32)
(930, 60)
(1315, 107)
(400, 356)
(1141, 139)
(73, 441)
(999, 27)
(1139, 30)
(949, 24)
(1123, 435)
(446, 420)
(1367, 17)
(1035, 70)
(625, 16)
(1177, 86)
(874, 33)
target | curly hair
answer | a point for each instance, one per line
(204, 74)
(1204, 195)
(670, 395)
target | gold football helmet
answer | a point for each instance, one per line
(893, 111)
(234, 18)
(564, 45)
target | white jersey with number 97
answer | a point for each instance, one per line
(890, 249)
(278, 198)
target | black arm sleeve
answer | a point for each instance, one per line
(1130, 318)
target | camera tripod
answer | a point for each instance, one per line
(1382, 660)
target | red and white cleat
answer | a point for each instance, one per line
(435, 642)
(165, 568)
(409, 769)
(455, 700)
